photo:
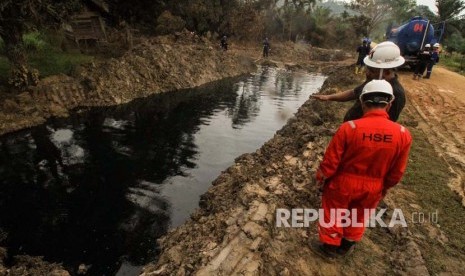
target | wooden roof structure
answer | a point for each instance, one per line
(89, 24)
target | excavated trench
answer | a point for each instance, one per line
(233, 231)
(99, 187)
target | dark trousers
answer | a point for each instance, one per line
(420, 68)
(429, 69)
(266, 50)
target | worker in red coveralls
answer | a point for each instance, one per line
(365, 158)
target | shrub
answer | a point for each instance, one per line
(2, 47)
(168, 23)
(33, 42)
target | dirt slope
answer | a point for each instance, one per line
(156, 65)
(233, 232)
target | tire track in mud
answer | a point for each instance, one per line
(439, 102)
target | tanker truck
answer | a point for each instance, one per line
(412, 36)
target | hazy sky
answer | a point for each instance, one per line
(429, 3)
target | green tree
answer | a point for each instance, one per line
(294, 15)
(456, 43)
(449, 11)
(202, 15)
(20, 16)
(360, 23)
(140, 13)
(424, 11)
(402, 10)
(372, 11)
(320, 32)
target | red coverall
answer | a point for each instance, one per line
(365, 157)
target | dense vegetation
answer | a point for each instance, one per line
(330, 24)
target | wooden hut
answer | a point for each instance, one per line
(88, 27)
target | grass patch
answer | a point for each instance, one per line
(48, 61)
(454, 62)
(47, 58)
(427, 176)
(52, 62)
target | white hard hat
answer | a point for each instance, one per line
(427, 45)
(381, 90)
(384, 55)
(436, 45)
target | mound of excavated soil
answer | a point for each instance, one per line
(156, 65)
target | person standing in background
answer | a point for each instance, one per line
(266, 47)
(433, 61)
(362, 51)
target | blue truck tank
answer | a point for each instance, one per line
(412, 36)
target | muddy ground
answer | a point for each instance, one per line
(233, 231)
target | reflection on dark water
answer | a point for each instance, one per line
(100, 187)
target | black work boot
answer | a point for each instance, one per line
(346, 248)
(324, 250)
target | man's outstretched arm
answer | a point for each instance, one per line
(344, 96)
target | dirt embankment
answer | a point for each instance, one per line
(234, 230)
(157, 65)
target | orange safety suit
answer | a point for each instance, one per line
(365, 158)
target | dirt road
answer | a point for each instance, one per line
(439, 105)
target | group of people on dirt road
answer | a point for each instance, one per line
(367, 155)
(427, 58)
(266, 45)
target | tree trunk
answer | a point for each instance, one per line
(21, 76)
(14, 46)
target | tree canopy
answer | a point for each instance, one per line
(243, 19)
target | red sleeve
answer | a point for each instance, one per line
(398, 168)
(334, 152)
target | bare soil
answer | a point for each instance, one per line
(439, 105)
